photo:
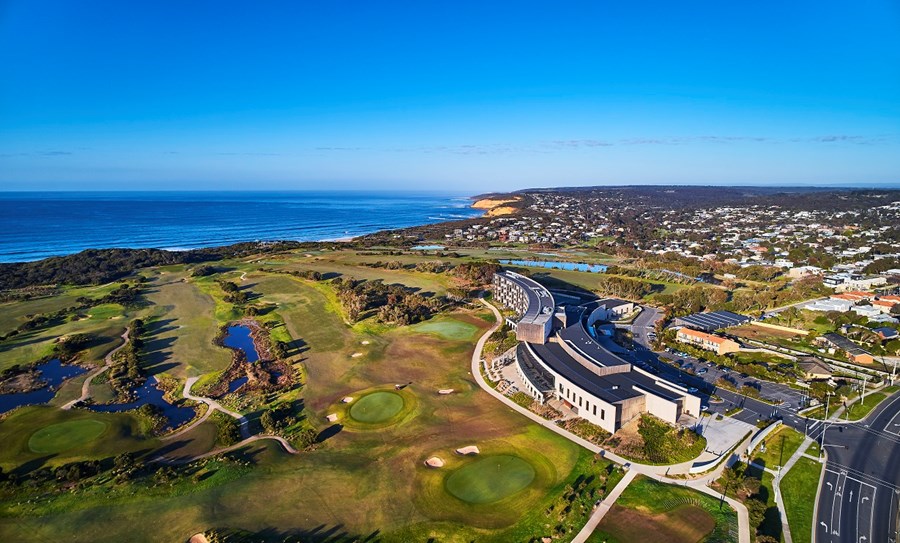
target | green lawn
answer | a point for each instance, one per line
(448, 328)
(779, 445)
(490, 479)
(48, 435)
(798, 490)
(66, 435)
(376, 407)
(652, 511)
(858, 410)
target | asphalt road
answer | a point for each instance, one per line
(859, 500)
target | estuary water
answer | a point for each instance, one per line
(38, 225)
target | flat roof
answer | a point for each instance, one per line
(844, 344)
(713, 320)
(540, 301)
(580, 339)
(602, 387)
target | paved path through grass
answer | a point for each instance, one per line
(604, 508)
(655, 472)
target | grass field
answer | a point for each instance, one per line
(780, 446)
(652, 511)
(448, 328)
(66, 435)
(490, 479)
(356, 482)
(798, 490)
(12, 314)
(41, 435)
(858, 410)
(180, 338)
(376, 407)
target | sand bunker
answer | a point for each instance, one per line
(332, 417)
(198, 538)
(365, 342)
(356, 355)
(465, 451)
(347, 399)
(445, 391)
(434, 462)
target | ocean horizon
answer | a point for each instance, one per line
(38, 225)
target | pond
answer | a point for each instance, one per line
(238, 337)
(557, 265)
(150, 394)
(237, 383)
(427, 248)
(54, 373)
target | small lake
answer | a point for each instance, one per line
(150, 394)
(238, 337)
(237, 383)
(557, 265)
(427, 248)
(54, 373)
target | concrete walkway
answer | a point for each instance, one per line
(604, 507)
(655, 472)
(213, 405)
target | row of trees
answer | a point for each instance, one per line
(125, 373)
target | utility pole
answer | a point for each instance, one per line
(824, 425)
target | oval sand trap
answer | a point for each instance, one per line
(490, 479)
(65, 435)
(376, 407)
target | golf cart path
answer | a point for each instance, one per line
(213, 405)
(86, 385)
(655, 472)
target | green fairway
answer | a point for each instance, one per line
(490, 479)
(66, 435)
(448, 329)
(53, 436)
(376, 407)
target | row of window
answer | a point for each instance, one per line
(571, 396)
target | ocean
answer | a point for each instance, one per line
(36, 225)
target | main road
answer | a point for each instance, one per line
(859, 498)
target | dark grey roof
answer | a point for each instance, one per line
(844, 344)
(540, 301)
(602, 387)
(712, 320)
(579, 338)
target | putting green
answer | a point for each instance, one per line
(448, 329)
(66, 435)
(490, 479)
(376, 407)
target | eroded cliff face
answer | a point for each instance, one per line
(497, 206)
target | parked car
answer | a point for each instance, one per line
(702, 371)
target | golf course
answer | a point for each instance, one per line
(366, 391)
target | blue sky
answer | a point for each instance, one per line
(451, 95)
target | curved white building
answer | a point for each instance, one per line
(558, 357)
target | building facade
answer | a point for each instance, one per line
(573, 366)
(708, 342)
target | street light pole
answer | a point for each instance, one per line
(824, 425)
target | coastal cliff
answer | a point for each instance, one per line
(497, 206)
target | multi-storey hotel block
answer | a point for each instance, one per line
(559, 357)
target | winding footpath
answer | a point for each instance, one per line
(212, 405)
(654, 472)
(86, 385)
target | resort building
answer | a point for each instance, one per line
(532, 303)
(579, 369)
(709, 342)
